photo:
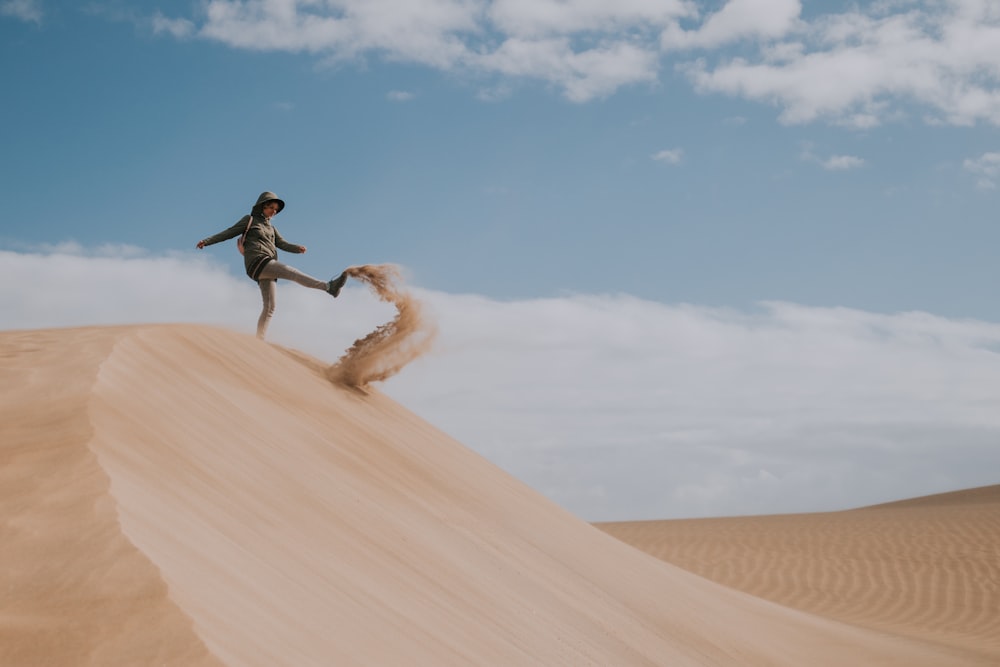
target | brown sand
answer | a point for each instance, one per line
(181, 495)
(926, 567)
(383, 352)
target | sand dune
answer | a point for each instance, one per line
(180, 495)
(924, 567)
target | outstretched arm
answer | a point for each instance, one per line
(225, 234)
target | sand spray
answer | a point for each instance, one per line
(386, 350)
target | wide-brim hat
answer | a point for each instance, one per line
(266, 197)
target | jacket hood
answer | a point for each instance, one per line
(266, 197)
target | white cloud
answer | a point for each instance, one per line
(541, 18)
(834, 162)
(616, 407)
(25, 10)
(858, 67)
(583, 75)
(659, 404)
(843, 162)
(987, 168)
(670, 155)
(853, 68)
(399, 96)
(428, 32)
(179, 28)
(737, 20)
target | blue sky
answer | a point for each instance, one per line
(691, 157)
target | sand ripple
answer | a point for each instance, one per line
(927, 567)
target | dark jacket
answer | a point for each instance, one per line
(262, 240)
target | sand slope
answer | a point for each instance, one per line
(179, 495)
(73, 589)
(924, 567)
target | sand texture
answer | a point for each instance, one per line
(183, 495)
(926, 567)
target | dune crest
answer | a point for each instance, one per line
(383, 352)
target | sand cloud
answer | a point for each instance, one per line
(613, 406)
(935, 61)
(389, 347)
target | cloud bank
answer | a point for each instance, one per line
(613, 406)
(934, 60)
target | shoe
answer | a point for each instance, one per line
(334, 286)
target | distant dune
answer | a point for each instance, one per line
(183, 495)
(926, 567)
